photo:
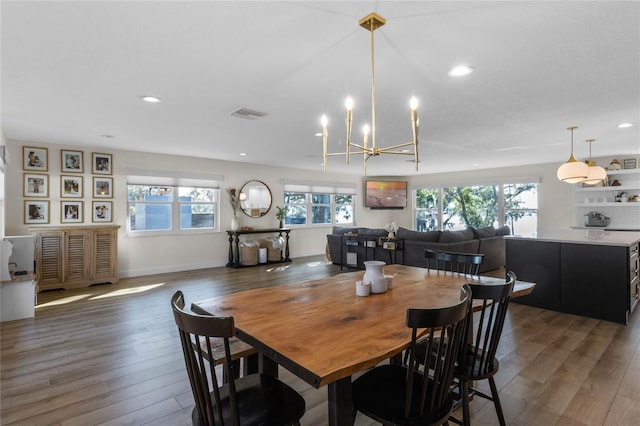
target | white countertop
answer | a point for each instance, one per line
(584, 236)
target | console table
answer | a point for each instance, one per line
(234, 240)
(373, 248)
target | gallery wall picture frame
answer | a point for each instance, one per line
(630, 163)
(36, 211)
(35, 185)
(35, 158)
(71, 186)
(102, 187)
(71, 212)
(101, 211)
(72, 161)
(101, 164)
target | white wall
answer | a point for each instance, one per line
(147, 255)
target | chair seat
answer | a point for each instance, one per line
(380, 394)
(473, 366)
(262, 400)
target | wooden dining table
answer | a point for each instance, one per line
(322, 332)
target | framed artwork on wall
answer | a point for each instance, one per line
(36, 159)
(72, 161)
(101, 211)
(71, 186)
(71, 211)
(36, 211)
(36, 185)
(102, 187)
(101, 164)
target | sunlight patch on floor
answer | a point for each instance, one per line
(278, 268)
(126, 291)
(63, 301)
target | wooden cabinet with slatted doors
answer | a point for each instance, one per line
(75, 257)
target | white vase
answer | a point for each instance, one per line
(234, 223)
(375, 274)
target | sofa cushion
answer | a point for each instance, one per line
(503, 230)
(339, 230)
(485, 232)
(372, 232)
(456, 236)
(429, 236)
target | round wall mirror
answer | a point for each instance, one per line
(255, 198)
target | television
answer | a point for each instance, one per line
(385, 194)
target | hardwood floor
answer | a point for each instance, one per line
(110, 354)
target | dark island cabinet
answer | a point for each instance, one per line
(592, 280)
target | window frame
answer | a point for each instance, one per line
(501, 209)
(309, 205)
(175, 208)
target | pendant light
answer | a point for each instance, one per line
(596, 173)
(574, 170)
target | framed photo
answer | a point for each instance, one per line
(630, 163)
(72, 161)
(36, 211)
(101, 211)
(71, 186)
(71, 212)
(36, 185)
(36, 159)
(102, 187)
(101, 163)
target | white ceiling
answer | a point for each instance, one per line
(74, 71)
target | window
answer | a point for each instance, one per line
(454, 208)
(322, 209)
(314, 204)
(156, 208)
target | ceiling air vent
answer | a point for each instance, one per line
(248, 114)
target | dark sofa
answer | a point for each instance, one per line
(488, 241)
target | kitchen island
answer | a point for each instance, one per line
(593, 273)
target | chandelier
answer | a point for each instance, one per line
(574, 170)
(596, 174)
(371, 23)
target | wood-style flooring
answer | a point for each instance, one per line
(110, 354)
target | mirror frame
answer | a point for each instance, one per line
(247, 211)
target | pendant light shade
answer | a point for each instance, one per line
(596, 174)
(574, 170)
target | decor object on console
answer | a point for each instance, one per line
(235, 203)
(574, 170)
(280, 215)
(391, 229)
(596, 174)
(371, 23)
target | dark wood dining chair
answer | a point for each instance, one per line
(477, 360)
(255, 399)
(460, 263)
(403, 395)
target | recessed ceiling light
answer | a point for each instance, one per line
(243, 154)
(151, 99)
(460, 71)
(624, 125)
(317, 134)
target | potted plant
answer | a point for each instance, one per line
(280, 213)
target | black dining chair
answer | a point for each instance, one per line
(460, 263)
(255, 399)
(402, 394)
(477, 360)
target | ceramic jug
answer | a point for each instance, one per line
(375, 275)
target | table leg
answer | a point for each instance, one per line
(267, 366)
(340, 402)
